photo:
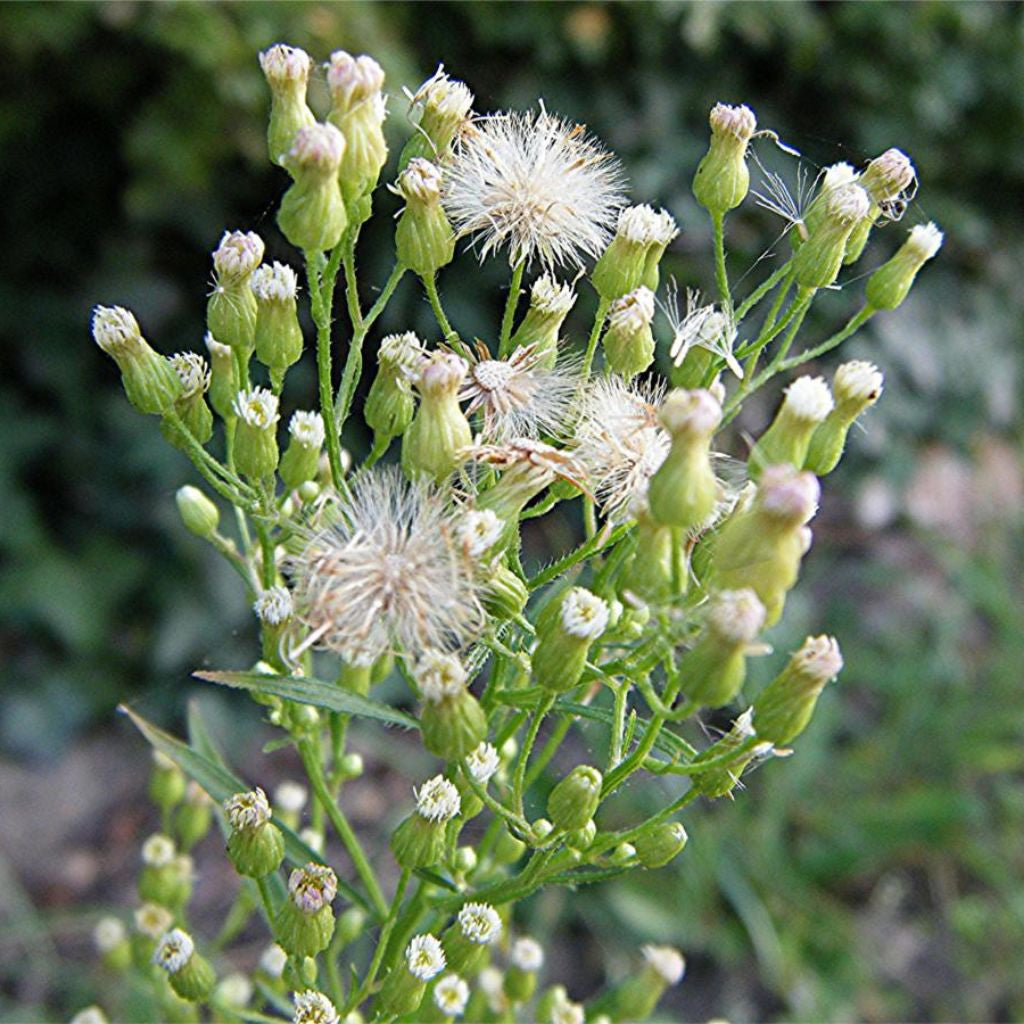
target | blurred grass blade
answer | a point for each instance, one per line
(311, 691)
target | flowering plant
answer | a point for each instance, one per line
(412, 569)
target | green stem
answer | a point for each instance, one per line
(853, 324)
(595, 335)
(382, 940)
(721, 275)
(621, 692)
(221, 479)
(589, 547)
(761, 291)
(430, 286)
(511, 301)
(519, 780)
(348, 259)
(541, 761)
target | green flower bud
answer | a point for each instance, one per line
(650, 575)
(149, 380)
(636, 998)
(419, 840)
(722, 179)
(255, 846)
(224, 384)
(301, 459)
(582, 839)
(722, 778)
(888, 180)
(818, 261)
(255, 442)
(111, 940)
(231, 308)
(287, 71)
(191, 977)
(761, 546)
(713, 671)
(623, 853)
(806, 404)
(194, 816)
(305, 924)
(683, 492)
(299, 972)
(477, 926)
(550, 304)
(389, 405)
(573, 801)
(312, 214)
(523, 479)
(278, 336)
(406, 983)
(656, 847)
(424, 240)
(351, 925)
(507, 848)
(166, 783)
(445, 107)
(355, 675)
(628, 341)
(452, 722)
(358, 111)
(857, 386)
(836, 176)
(622, 265)
(166, 877)
(890, 284)
(564, 636)
(520, 980)
(505, 594)
(199, 514)
(439, 429)
(784, 708)
(664, 231)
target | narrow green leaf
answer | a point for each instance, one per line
(311, 691)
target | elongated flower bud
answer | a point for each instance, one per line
(451, 721)
(439, 429)
(477, 926)
(278, 336)
(856, 386)
(683, 491)
(305, 923)
(637, 997)
(231, 308)
(286, 69)
(446, 106)
(818, 261)
(890, 284)
(550, 304)
(722, 179)
(405, 985)
(733, 752)
(191, 407)
(807, 403)
(166, 783)
(149, 380)
(255, 845)
(520, 981)
(255, 440)
(784, 708)
(191, 977)
(301, 459)
(628, 342)
(390, 404)
(224, 385)
(312, 214)
(651, 570)
(358, 110)
(505, 594)
(419, 840)
(564, 636)
(663, 232)
(623, 264)
(194, 816)
(573, 801)
(424, 239)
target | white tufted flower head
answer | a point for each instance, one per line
(313, 1007)
(819, 658)
(857, 382)
(353, 80)
(479, 530)
(808, 399)
(527, 954)
(247, 810)
(668, 963)
(285, 65)
(192, 371)
(736, 615)
(584, 614)
(420, 181)
(158, 850)
(317, 148)
(483, 762)
(695, 413)
(152, 920)
(786, 493)
(258, 407)
(274, 606)
(312, 887)
(641, 225)
(632, 312)
(889, 177)
(173, 951)
(234, 990)
(738, 121)
(925, 240)
(307, 428)
(847, 203)
(424, 956)
(480, 923)
(437, 800)
(549, 297)
(402, 352)
(274, 282)
(451, 994)
(109, 933)
(114, 328)
(273, 960)
(238, 254)
(90, 1015)
(440, 675)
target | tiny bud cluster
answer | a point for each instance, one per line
(284, 65)
(548, 296)
(192, 371)
(527, 954)
(158, 850)
(738, 121)
(819, 658)
(857, 381)
(109, 933)
(632, 312)
(114, 328)
(420, 181)
(152, 920)
(737, 615)
(479, 530)
(317, 147)
(483, 762)
(925, 240)
(809, 399)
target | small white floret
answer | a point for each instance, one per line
(424, 956)
(238, 254)
(109, 933)
(274, 606)
(173, 951)
(291, 796)
(274, 282)
(313, 1007)
(483, 762)
(158, 850)
(451, 995)
(258, 407)
(667, 962)
(527, 954)
(808, 399)
(583, 614)
(480, 923)
(439, 676)
(437, 800)
(307, 428)
(247, 810)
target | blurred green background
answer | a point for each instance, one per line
(876, 875)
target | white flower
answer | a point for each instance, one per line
(158, 850)
(421, 181)
(445, 98)
(857, 381)
(925, 240)
(440, 675)
(736, 615)
(90, 1015)
(307, 428)
(479, 530)
(786, 493)
(313, 1008)
(234, 990)
(424, 957)
(819, 658)
(314, 839)
(480, 923)
(274, 606)
(619, 441)
(632, 312)
(549, 297)
(403, 352)
(695, 325)
(291, 796)
(247, 810)
(890, 180)
(808, 399)
(108, 933)
(353, 80)
(238, 254)
(313, 887)
(173, 951)
(567, 1012)
(492, 983)
(483, 762)
(640, 225)
(274, 282)
(451, 994)
(114, 327)
(388, 573)
(152, 920)
(534, 185)
(667, 962)
(527, 954)
(437, 799)
(517, 396)
(192, 371)
(273, 960)
(285, 64)
(847, 203)
(258, 407)
(737, 121)
(584, 614)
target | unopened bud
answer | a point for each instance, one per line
(573, 801)
(255, 442)
(565, 633)
(550, 304)
(424, 239)
(439, 429)
(286, 69)
(305, 923)
(856, 386)
(231, 308)
(191, 977)
(358, 110)
(312, 214)
(722, 179)
(628, 342)
(818, 261)
(807, 403)
(890, 284)
(301, 459)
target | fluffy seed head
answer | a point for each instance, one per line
(819, 658)
(174, 950)
(420, 181)
(258, 407)
(317, 147)
(274, 606)
(114, 328)
(307, 428)
(483, 762)
(736, 615)
(451, 994)
(694, 325)
(527, 954)
(633, 312)
(274, 282)
(440, 675)
(389, 573)
(535, 186)
(479, 530)
(152, 920)
(690, 413)
(668, 963)
(551, 298)
(238, 254)
(925, 241)
(273, 960)
(584, 614)
(857, 381)
(437, 799)
(847, 203)
(542, 463)
(480, 923)
(313, 1008)
(285, 65)
(352, 80)
(313, 887)
(786, 493)
(424, 956)
(247, 810)
(808, 399)
(739, 121)
(192, 371)
(108, 933)
(158, 850)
